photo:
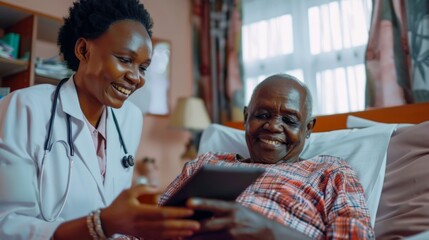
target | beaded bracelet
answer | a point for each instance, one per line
(97, 224)
(90, 225)
(93, 222)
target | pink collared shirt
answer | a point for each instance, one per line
(99, 138)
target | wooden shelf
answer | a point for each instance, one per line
(11, 66)
(35, 29)
(45, 78)
(10, 16)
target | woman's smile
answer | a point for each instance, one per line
(121, 90)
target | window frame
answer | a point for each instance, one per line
(301, 57)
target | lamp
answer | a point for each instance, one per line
(190, 114)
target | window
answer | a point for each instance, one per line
(321, 42)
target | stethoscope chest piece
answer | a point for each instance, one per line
(127, 161)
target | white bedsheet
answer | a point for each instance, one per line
(420, 236)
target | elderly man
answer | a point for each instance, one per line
(318, 198)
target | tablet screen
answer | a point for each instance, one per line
(215, 182)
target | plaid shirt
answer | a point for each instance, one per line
(320, 197)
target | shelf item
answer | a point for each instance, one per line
(33, 28)
(4, 91)
(53, 75)
(12, 40)
(52, 67)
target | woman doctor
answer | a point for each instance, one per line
(65, 165)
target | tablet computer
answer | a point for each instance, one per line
(215, 182)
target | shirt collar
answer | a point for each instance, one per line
(101, 128)
(102, 124)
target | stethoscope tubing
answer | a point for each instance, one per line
(66, 193)
(48, 148)
(48, 144)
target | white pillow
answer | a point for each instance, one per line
(364, 149)
(357, 122)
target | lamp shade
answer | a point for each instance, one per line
(190, 113)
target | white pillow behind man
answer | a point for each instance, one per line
(364, 149)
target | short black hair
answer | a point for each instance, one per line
(91, 18)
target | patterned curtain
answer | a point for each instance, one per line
(217, 57)
(397, 56)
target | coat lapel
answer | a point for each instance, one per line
(83, 144)
(114, 155)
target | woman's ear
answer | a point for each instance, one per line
(81, 49)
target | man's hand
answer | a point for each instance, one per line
(234, 221)
(231, 221)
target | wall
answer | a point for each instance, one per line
(55, 8)
(172, 22)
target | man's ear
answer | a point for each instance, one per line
(310, 125)
(81, 49)
(245, 114)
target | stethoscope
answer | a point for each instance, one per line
(127, 161)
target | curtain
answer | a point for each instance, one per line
(397, 56)
(217, 57)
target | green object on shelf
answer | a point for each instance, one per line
(25, 56)
(4, 91)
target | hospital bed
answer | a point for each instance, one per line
(387, 147)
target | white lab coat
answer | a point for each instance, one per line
(24, 117)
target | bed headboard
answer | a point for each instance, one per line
(409, 113)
